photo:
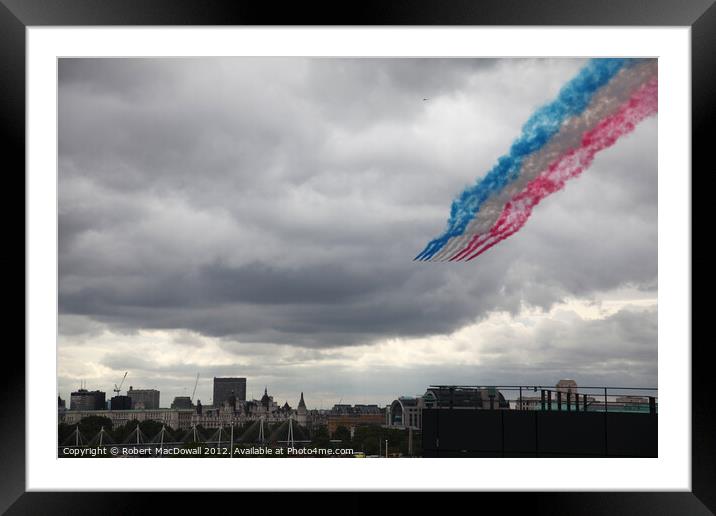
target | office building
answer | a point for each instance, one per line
(120, 403)
(83, 399)
(225, 387)
(147, 399)
(182, 402)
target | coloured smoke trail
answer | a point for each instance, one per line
(606, 100)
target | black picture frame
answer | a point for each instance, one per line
(17, 15)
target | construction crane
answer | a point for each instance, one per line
(195, 384)
(117, 389)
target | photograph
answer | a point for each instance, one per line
(357, 257)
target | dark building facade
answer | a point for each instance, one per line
(120, 403)
(87, 400)
(147, 399)
(182, 402)
(538, 433)
(225, 387)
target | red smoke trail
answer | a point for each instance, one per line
(643, 103)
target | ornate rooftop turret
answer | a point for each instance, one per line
(265, 400)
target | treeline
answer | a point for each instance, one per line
(371, 440)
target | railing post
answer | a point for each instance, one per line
(569, 401)
(520, 397)
(652, 405)
(549, 399)
(584, 402)
(605, 400)
(559, 400)
(542, 400)
(576, 402)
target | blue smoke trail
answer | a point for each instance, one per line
(572, 100)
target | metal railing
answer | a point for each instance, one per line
(581, 399)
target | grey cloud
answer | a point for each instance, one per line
(282, 200)
(619, 350)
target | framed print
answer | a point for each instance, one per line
(454, 244)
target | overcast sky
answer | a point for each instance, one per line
(258, 217)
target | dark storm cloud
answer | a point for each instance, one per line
(282, 200)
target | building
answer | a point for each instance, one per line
(351, 421)
(567, 386)
(225, 387)
(341, 409)
(352, 416)
(406, 412)
(355, 409)
(120, 403)
(176, 419)
(301, 412)
(83, 399)
(456, 397)
(367, 409)
(562, 422)
(147, 399)
(61, 407)
(182, 402)
(242, 412)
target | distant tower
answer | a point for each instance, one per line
(301, 412)
(266, 400)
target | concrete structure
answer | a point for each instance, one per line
(147, 399)
(225, 387)
(83, 399)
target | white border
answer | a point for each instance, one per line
(671, 471)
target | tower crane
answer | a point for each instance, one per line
(117, 389)
(195, 384)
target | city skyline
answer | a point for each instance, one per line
(258, 218)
